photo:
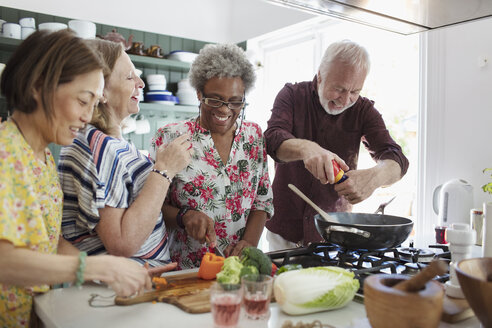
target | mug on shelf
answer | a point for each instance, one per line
(155, 51)
(137, 49)
(27, 22)
(26, 31)
(11, 30)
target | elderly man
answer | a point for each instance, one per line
(315, 122)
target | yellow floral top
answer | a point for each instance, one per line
(30, 214)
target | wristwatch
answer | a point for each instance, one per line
(179, 216)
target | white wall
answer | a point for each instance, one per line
(206, 20)
(456, 113)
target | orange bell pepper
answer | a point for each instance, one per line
(210, 266)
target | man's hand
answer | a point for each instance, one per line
(318, 161)
(200, 227)
(362, 183)
(359, 186)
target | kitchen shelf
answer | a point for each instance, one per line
(159, 109)
(159, 63)
(9, 44)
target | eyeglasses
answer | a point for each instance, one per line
(216, 103)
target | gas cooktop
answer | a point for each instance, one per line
(400, 260)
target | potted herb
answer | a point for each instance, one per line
(487, 222)
(487, 187)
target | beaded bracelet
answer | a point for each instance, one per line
(80, 270)
(164, 174)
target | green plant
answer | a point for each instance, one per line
(487, 187)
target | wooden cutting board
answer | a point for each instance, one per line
(187, 291)
(455, 309)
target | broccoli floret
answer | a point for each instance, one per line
(255, 257)
(230, 271)
(248, 269)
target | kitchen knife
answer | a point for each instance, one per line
(219, 252)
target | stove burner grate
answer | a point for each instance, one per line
(406, 261)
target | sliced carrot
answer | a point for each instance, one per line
(159, 282)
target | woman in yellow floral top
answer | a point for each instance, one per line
(52, 83)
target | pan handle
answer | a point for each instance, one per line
(356, 231)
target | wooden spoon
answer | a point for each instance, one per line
(323, 214)
(417, 282)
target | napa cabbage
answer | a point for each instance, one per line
(314, 289)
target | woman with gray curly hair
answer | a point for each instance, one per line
(223, 198)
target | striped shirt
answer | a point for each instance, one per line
(98, 171)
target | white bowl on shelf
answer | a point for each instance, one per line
(52, 26)
(84, 29)
(156, 79)
(156, 86)
(186, 98)
(184, 56)
(184, 85)
(164, 102)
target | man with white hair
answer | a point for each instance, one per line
(315, 122)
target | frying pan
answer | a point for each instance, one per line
(363, 230)
(360, 230)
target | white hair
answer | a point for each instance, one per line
(347, 52)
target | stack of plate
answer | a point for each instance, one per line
(186, 94)
(156, 82)
(161, 97)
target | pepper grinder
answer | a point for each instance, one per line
(461, 239)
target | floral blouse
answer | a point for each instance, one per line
(226, 193)
(30, 214)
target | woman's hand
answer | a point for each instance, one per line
(124, 276)
(174, 156)
(236, 249)
(200, 227)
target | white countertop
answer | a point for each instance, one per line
(69, 307)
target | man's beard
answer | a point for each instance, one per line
(325, 103)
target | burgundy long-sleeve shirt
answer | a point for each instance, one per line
(297, 113)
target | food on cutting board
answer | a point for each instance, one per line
(230, 273)
(251, 261)
(159, 283)
(314, 289)
(211, 265)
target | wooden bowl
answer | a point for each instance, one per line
(388, 307)
(475, 277)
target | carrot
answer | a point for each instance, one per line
(211, 265)
(159, 282)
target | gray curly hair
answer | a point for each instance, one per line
(221, 60)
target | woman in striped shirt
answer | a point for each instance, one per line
(112, 202)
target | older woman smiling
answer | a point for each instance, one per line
(224, 196)
(113, 193)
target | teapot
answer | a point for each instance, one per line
(117, 37)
